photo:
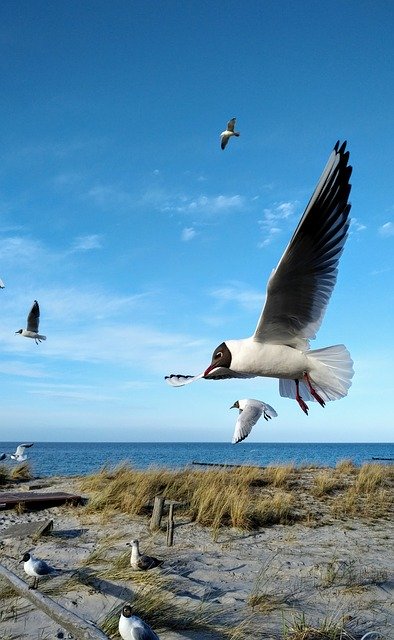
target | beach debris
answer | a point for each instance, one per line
(34, 530)
(228, 133)
(34, 499)
(33, 320)
(298, 292)
(250, 411)
(132, 627)
(37, 568)
(20, 455)
(140, 561)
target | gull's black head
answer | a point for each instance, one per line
(221, 358)
(26, 557)
(235, 405)
(20, 331)
(126, 611)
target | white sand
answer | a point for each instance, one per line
(342, 570)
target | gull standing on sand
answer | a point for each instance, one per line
(140, 561)
(37, 568)
(228, 133)
(250, 411)
(298, 292)
(33, 320)
(20, 455)
(133, 628)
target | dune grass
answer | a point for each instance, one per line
(246, 497)
(21, 471)
(4, 475)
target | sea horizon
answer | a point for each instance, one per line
(48, 458)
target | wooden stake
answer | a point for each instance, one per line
(157, 513)
(170, 526)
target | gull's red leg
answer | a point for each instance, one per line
(312, 390)
(300, 401)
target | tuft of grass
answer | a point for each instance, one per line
(4, 475)
(351, 575)
(325, 482)
(21, 472)
(346, 467)
(299, 629)
(281, 475)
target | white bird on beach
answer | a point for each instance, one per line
(33, 320)
(133, 628)
(37, 568)
(228, 133)
(140, 561)
(250, 411)
(298, 292)
(20, 455)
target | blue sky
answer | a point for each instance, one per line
(146, 245)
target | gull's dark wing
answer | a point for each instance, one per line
(300, 287)
(231, 124)
(33, 319)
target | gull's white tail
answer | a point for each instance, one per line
(331, 375)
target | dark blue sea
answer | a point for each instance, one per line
(77, 458)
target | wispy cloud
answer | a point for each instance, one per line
(209, 204)
(188, 233)
(356, 226)
(272, 220)
(87, 243)
(109, 196)
(240, 294)
(386, 230)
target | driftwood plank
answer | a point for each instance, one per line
(78, 627)
(26, 529)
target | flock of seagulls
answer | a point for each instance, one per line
(298, 291)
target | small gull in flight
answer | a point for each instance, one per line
(298, 292)
(3, 456)
(133, 628)
(140, 561)
(250, 411)
(37, 568)
(228, 133)
(20, 455)
(33, 320)
(2, 285)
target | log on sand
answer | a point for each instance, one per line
(78, 627)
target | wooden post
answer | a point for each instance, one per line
(170, 526)
(78, 627)
(157, 513)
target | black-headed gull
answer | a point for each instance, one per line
(33, 320)
(133, 628)
(228, 133)
(298, 292)
(37, 568)
(250, 411)
(20, 455)
(140, 561)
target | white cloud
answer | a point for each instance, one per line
(86, 243)
(239, 293)
(188, 233)
(204, 204)
(111, 196)
(386, 230)
(272, 219)
(356, 226)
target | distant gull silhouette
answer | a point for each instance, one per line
(2, 285)
(33, 320)
(250, 411)
(20, 455)
(133, 628)
(37, 568)
(140, 561)
(228, 133)
(298, 292)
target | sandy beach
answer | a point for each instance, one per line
(328, 573)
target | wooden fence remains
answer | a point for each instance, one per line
(79, 628)
(159, 506)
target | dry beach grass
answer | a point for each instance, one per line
(288, 553)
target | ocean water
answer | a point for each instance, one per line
(77, 458)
